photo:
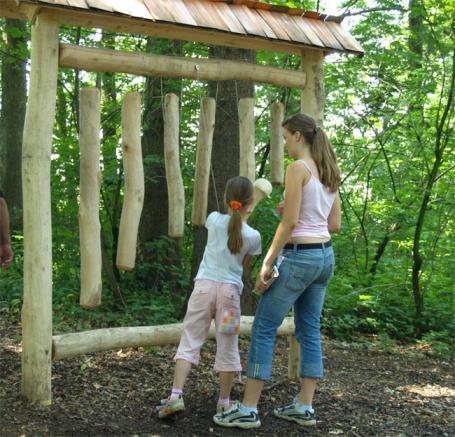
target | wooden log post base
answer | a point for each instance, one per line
(90, 184)
(134, 181)
(36, 171)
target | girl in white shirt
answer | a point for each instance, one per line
(230, 246)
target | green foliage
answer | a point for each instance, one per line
(382, 113)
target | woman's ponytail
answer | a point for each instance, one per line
(320, 148)
(325, 158)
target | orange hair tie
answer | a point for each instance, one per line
(234, 204)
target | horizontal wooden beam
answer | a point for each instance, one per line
(144, 64)
(99, 340)
(134, 26)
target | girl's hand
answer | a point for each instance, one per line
(279, 209)
(261, 280)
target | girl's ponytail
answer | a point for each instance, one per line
(238, 194)
(235, 239)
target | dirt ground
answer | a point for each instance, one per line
(366, 392)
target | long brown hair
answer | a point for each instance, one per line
(321, 150)
(239, 189)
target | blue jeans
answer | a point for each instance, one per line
(304, 276)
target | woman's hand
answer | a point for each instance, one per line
(261, 280)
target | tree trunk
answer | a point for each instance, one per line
(110, 189)
(225, 144)
(14, 99)
(154, 220)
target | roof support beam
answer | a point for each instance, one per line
(114, 61)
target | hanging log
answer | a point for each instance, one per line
(115, 61)
(36, 171)
(176, 194)
(98, 340)
(276, 143)
(247, 138)
(203, 159)
(134, 181)
(90, 184)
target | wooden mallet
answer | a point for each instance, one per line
(262, 188)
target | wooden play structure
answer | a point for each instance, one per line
(234, 23)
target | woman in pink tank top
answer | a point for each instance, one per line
(302, 251)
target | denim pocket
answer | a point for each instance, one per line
(301, 274)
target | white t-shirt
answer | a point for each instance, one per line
(218, 263)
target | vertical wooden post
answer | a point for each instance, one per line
(176, 193)
(312, 103)
(294, 358)
(247, 138)
(312, 96)
(203, 158)
(90, 184)
(276, 143)
(134, 182)
(36, 161)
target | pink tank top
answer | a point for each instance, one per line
(317, 201)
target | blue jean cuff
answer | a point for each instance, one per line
(312, 370)
(259, 371)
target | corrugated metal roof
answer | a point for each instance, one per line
(244, 17)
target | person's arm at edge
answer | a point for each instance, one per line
(6, 252)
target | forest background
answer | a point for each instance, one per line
(389, 115)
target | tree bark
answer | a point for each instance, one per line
(154, 221)
(12, 116)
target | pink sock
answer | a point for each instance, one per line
(176, 393)
(225, 402)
